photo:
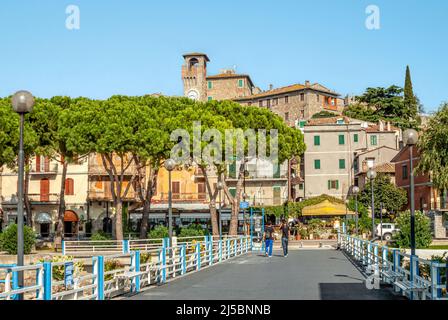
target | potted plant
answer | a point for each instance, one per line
(303, 233)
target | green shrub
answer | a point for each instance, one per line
(100, 235)
(8, 239)
(110, 265)
(58, 271)
(158, 232)
(193, 230)
(423, 235)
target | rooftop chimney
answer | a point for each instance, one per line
(307, 83)
(381, 125)
(271, 86)
(364, 166)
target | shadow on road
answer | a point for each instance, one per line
(353, 291)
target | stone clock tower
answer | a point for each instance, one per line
(194, 73)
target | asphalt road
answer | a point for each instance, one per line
(303, 275)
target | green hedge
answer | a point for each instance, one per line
(8, 239)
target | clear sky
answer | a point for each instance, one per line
(135, 47)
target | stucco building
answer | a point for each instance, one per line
(335, 146)
(45, 178)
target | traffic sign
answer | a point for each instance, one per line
(244, 205)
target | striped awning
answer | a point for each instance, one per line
(43, 217)
(326, 208)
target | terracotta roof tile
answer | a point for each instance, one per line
(386, 167)
(290, 88)
(324, 121)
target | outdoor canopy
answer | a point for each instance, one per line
(326, 208)
(43, 217)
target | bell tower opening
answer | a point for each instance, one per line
(194, 74)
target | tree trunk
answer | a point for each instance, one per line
(61, 208)
(26, 199)
(233, 228)
(214, 217)
(212, 196)
(150, 191)
(119, 219)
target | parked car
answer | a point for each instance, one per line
(389, 229)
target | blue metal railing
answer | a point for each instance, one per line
(119, 273)
(415, 270)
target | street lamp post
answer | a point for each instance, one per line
(220, 187)
(355, 191)
(383, 211)
(410, 138)
(244, 213)
(371, 174)
(170, 164)
(22, 103)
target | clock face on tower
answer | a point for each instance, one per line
(193, 94)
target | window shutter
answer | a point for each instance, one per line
(276, 170)
(232, 192)
(329, 184)
(232, 170)
(355, 137)
(341, 139)
(37, 163)
(337, 184)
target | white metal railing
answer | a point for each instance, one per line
(118, 273)
(397, 267)
(35, 289)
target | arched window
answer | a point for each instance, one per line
(69, 187)
(193, 62)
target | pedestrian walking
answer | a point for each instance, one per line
(284, 228)
(269, 238)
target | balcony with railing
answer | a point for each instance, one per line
(103, 192)
(34, 198)
(47, 169)
(182, 197)
(96, 166)
(261, 175)
(98, 169)
(43, 198)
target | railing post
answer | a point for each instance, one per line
(246, 241)
(396, 260)
(210, 250)
(183, 253)
(235, 247)
(228, 249)
(163, 263)
(40, 283)
(63, 247)
(48, 275)
(125, 244)
(385, 254)
(220, 250)
(198, 256)
(375, 253)
(136, 266)
(369, 253)
(98, 270)
(413, 272)
(434, 281)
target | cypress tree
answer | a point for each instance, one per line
(410, 101)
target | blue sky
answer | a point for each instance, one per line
(135, 47)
